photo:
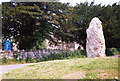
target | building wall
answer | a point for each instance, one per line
(62, 45)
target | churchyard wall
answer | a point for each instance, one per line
(33, 54)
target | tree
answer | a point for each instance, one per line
(25, 24)
(38, 21)
(30, 24)
(111, 24)
(109, 15)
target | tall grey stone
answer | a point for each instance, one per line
(95, 45)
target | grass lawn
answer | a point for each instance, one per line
(78, 68)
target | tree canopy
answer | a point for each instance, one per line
(31, 23)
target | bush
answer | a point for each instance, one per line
(115, 51)
(37, 60)
(15, 56)
(4, 60)
(28, 60)
(52, 56)
(20, 59)
(83, 52)
(23, 61)
(66, 55)
(111, 51)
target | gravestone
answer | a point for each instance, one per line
(95, 45)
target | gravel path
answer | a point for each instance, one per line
(6, 68)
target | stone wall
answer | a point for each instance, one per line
(33, 54)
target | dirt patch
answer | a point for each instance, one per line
(104, 75)
(74, 75)
(107, 74)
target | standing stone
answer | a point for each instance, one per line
(95, 45)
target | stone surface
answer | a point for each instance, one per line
(95, 45)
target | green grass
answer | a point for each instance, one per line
(78, 68)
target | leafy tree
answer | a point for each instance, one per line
(25, 24)
(31, 23)
(111, 24)
(109, 15)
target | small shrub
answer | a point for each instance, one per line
(83, 52)
(115, 51)
(0, 61)
(43, 58)
(52, 56)
(4, 60)
(28, 59)
(15, 56)
(23, 61)
(15, 60)
(66, 55)
(38, 60)
(20, 59)
(111, 51)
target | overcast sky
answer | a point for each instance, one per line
(73, 2)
